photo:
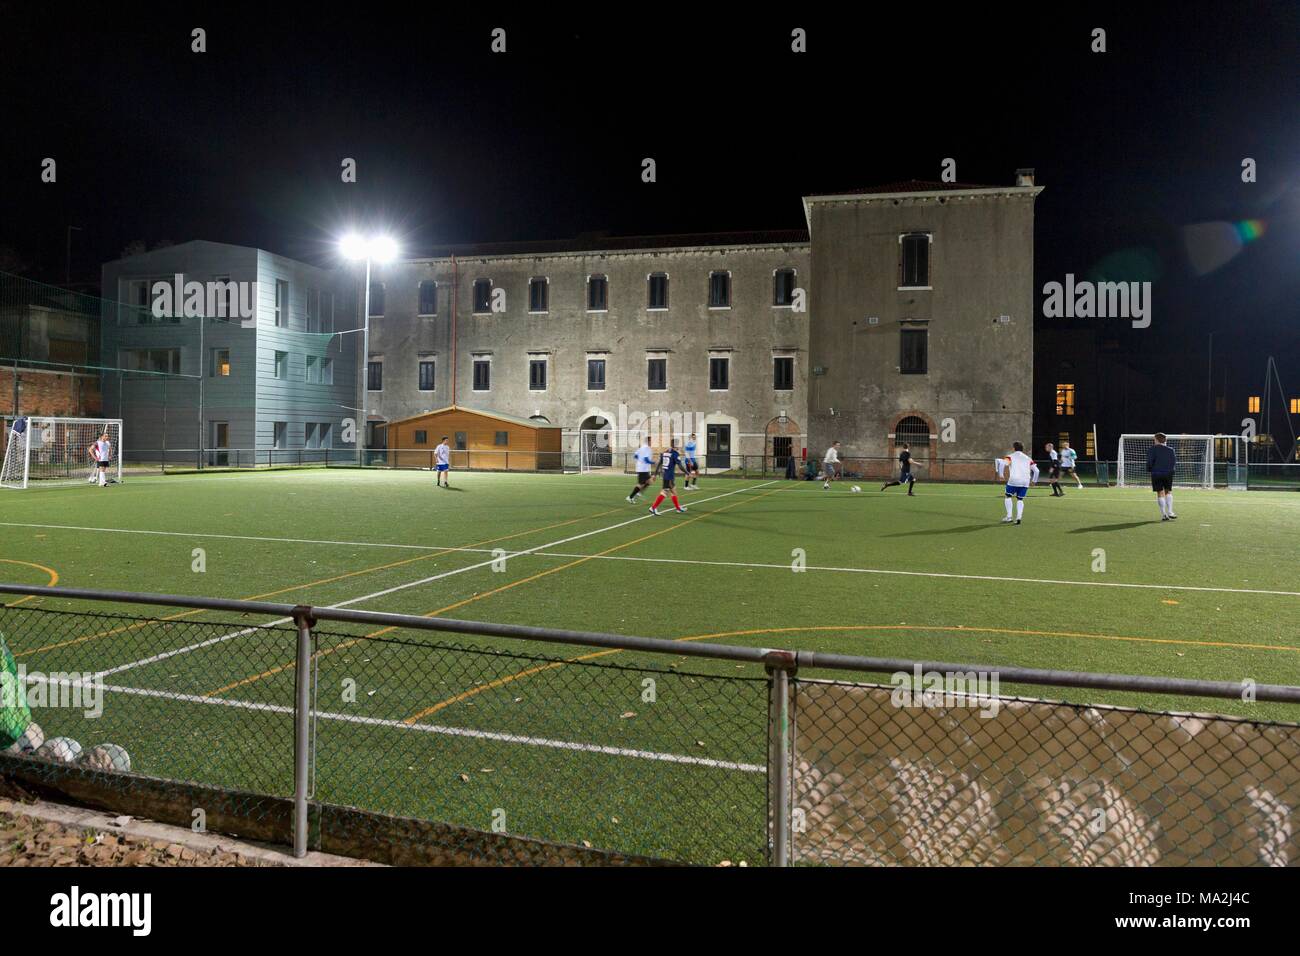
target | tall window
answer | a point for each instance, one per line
(538, 294)
(327, 371)
(1065, 399)
(310, 441)
(221, 362)
(914, 257)
(282, 365)
(1252, 403)
(376, 299)
(280, 435)
(719, 290)
(282, 303)
(597, 293)
(537, 374)
(914, 351)
(783, 287)
(783, 373)
(657, 291)
(1090, 444)
(313, 369)
(657, 374)
(596, 374)
(1295, 406)
(426, 375)
(327, 312)
(227, 299)
(325, 434)
(482, 296)
(313, 310)
(375, 376)
(428, 297)
(482, 375)
(719, 373)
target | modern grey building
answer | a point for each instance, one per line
(275, 378)
(903, 312)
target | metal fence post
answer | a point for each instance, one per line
(780, 757)
(302, 729)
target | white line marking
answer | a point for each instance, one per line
(402, 725)
(402, 587)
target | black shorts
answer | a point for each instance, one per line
(643, 477)
(1067, 471)
(1162, 482)
(668, 482)
(102, 464)
(905, 476)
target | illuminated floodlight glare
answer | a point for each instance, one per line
(353, 246)
(382, 249)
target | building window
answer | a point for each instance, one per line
(1065, 399)
(327, 371)
(657, 374)
(597, 293)
(426, 375)
(428, 297)
(538, 294)
(658, 291)
(1295, 406)
(376, 299)
(914, 351)
(1062, 439)
(325, 433)
(313, 311)
(310, 441)
(421, 436)
(327, 312)
(783, 373)
(280, 435)
(221, 363)
(482, 375)
(313, 369)
(282, 303)
(595, 375)
(719, 290)
(1090, 444)
(1220, 404)
(282, 365)
(537, 374)
(502, 438)
(912, 430)
(914, 260)
(1252, 403)
(152, 360)
(482, 296)
(375, 376)
(227, 299)
(719, 373)
(783, 287)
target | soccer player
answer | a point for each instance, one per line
(645, 461)
(668, 463)
(102, 453)
(1021, 472)
(442, 464)
(1068, 455)
(1161, 462)
(830, 464)
(905, 475)
(1054, 470)
(691, 467)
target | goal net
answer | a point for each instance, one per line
(1194, 455)
(56, 451)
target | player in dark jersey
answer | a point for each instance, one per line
(1054, 471)
(669, 462)
(905, 475)
(1161, 463)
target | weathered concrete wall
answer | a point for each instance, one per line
(980, 371)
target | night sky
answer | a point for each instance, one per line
(456, 144)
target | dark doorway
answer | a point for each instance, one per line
(718, 453)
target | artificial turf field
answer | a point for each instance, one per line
(1213, 595)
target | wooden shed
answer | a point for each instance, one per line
(478, 439)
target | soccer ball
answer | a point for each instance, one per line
(106, 757)
(59, 749)
(856, 489)
(30, 740)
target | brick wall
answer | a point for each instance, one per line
(43, 392)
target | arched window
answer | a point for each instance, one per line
(913, 430)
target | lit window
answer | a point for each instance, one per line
(1252, 403)
(1295, 406)
(1065, 399)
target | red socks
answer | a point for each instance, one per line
(659, 501)
(675, 504)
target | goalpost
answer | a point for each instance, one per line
(1196, 455)
(56, 451)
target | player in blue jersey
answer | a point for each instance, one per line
(690, 466)
(669, 461)
(1068, 457)
(645, 462)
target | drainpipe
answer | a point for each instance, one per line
(455, 289)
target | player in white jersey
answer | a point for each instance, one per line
(1068, 456)
(644, 458)
(1020, 472)
(830, 464)
(690, 465)
(102, 453)
(442, 463)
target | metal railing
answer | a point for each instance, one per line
(688, 752)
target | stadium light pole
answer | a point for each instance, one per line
(379, 249)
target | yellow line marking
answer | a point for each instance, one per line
(311, 584)
(54, 578)
(486, 594)
(501, 681)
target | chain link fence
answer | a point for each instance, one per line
(360, 732)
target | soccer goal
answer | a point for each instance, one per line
(1196, 455)
(56, 451)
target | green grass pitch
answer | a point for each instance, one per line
(578, 751)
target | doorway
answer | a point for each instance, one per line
(718, 447)
(217, 456)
